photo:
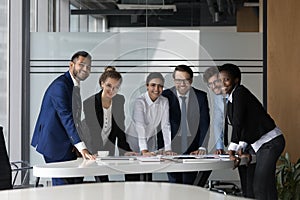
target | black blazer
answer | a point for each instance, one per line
(248, 117)
(198, 119)
(93, 110)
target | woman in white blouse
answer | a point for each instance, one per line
(150, 115)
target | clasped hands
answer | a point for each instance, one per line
(238, 157)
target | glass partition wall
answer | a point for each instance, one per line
(4, 91)
(138, 37)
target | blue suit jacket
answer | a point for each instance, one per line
(198, 118)
(55, 132)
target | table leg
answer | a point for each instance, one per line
(37, 180)
(146, 177)
(101, 179)
(202, 178)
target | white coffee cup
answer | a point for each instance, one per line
(103, 153)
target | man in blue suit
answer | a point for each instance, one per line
(189, 132)
(56, 132)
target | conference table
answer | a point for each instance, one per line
(116, 190)
(117, 166)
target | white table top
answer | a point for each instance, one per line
(80, 167)
(116, 191)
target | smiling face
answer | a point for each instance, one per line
(228, 82)
(182, 82)
(155, 88)
(110, 87)
(215, 84)
(80, 68)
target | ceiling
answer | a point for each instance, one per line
(141, 13)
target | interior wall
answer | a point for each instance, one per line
(135, 53)
(283, 70)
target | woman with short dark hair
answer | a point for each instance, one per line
(253, 132)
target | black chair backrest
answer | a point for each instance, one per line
(5, 168)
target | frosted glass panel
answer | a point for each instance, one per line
(134, 45)
(144, 47)
(3, 68)
(137, 52)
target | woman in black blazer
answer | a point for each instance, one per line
(104, 118)
(253, 132)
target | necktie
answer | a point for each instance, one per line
(76, 106)
(183, 125)
(225, 122)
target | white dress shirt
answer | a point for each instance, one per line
(147, 116)
(107, 123)
(80, 145)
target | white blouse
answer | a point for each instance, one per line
(147, 115)
(107, 123)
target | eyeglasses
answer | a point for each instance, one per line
(185, 81)
(110, 87)
(154, 85)
(82, 65)
(213, 83)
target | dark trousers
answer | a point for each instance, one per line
(71, 155)
(258, 180)
(128, 177)
(246, 177)
(182, 177)
(189, 177)
(264, 184)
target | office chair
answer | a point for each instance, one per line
(9, 171)
(5, 168)
(224, 187)
(20, 166)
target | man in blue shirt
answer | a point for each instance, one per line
(211, 78)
